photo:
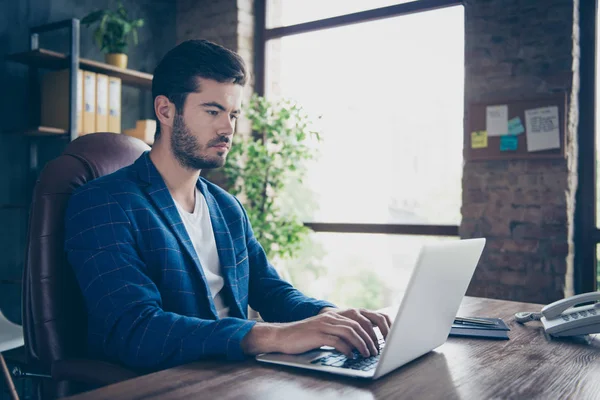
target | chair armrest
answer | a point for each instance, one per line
(88, 371)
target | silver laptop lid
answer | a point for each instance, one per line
(433, 296)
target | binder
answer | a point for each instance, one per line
(114, 105)
(55, 99)
(101, 103)
(79, 102)
(89, 102)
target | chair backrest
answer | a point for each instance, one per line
(54, 317)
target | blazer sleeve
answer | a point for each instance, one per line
(274, 298)
(125, 303)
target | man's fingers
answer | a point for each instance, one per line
(367, 325)
(350, 336)
(387, 318)
(379, 320)
(359, 328)
(338, 344)
(364, 328)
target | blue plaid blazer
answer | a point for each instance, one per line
(147, 300)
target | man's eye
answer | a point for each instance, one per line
(234, 117)
(213, 113)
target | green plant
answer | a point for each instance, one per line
(113, 29)
(261, 165)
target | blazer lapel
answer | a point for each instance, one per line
(160, 196)
(225, 250)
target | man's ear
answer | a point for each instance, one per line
(164, 110)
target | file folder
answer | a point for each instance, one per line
(101, 103)
(89, 102)
(114, 105)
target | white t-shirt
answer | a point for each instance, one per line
(200, 231)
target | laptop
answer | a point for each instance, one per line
(425, 315)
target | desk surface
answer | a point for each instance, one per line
(529, 365)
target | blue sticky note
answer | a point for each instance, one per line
(515, 126)
(508, 143)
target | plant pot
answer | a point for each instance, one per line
(116, 59)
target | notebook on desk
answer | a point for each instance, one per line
(423, 321)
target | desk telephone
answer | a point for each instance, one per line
(565, 318)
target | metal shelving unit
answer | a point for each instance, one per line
(39, 58)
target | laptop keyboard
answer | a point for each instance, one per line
(358, 362)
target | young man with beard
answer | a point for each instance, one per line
(167, 262)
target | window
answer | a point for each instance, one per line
(390, 93)
(286, 12)
(355, 269)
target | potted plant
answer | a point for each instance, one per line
(261, 166)
(114, 28)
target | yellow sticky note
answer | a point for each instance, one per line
(479, 140)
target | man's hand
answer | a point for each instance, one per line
(344, 330)
(367, 319)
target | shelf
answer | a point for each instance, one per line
(39, 131)
(54, 60)
(44, 131)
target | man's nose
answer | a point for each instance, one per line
(226, 126)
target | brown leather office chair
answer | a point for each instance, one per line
(54, 316)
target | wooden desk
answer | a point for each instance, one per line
(528, 366)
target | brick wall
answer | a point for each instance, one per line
(517, 48)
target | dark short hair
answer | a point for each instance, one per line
(177, 73)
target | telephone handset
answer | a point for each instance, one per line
(564, 318)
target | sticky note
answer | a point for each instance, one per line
(515, 126)
(496, 120)
(479, 140)
(509, 143)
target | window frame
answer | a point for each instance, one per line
(586, 233)
(264, 34)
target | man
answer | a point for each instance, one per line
(167, 262)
